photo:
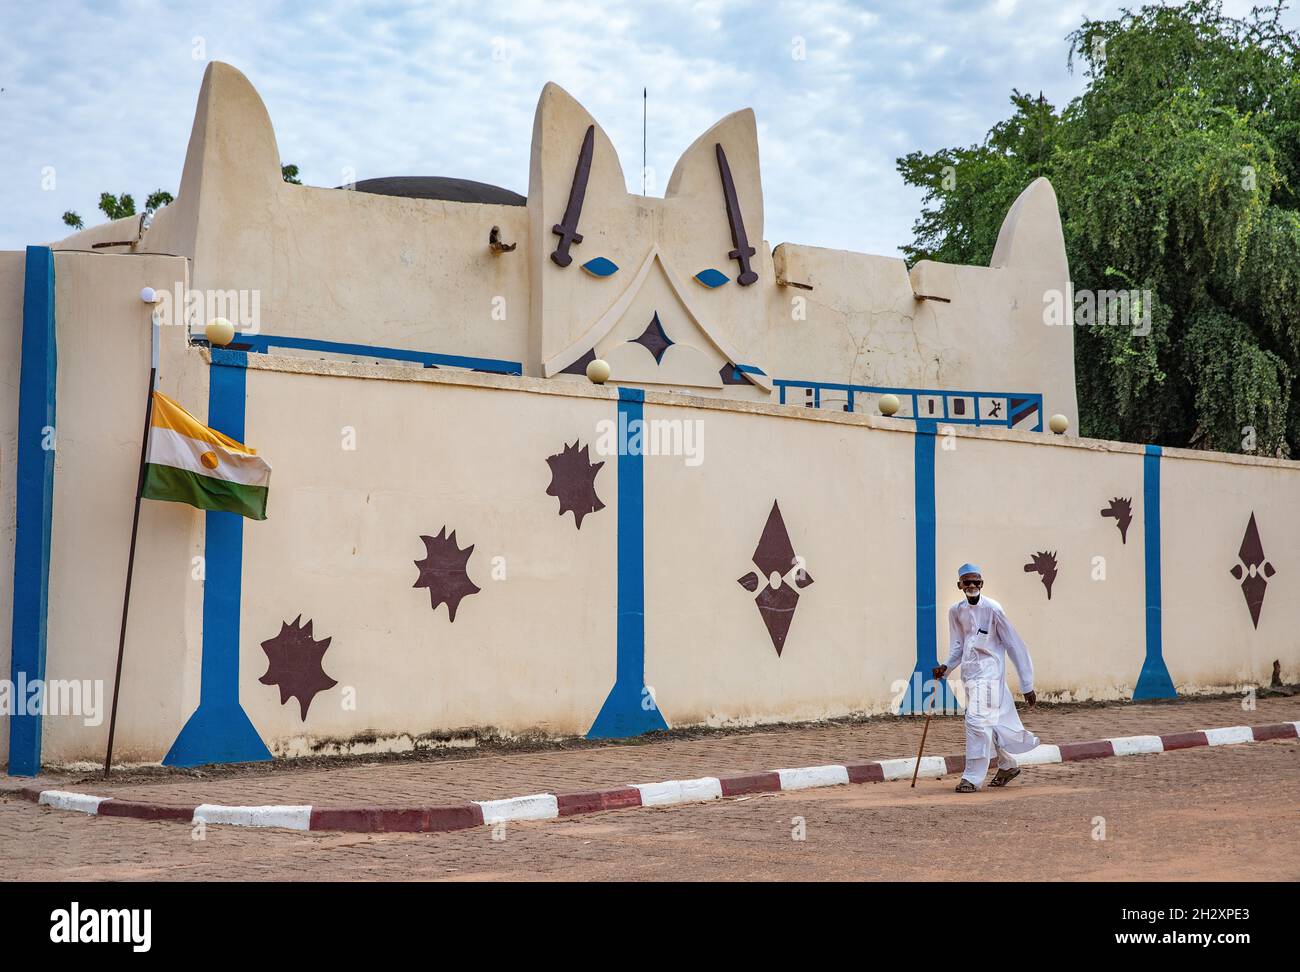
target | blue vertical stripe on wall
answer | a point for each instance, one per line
(629, 710)
(34, 505)
(921, 685)
(219, 731)
(1154, 681)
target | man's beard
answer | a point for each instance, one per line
(972, 598)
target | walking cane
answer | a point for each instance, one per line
(916, 769)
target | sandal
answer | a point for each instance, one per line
(966, 786)
(1004, 777)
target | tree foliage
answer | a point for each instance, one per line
(117, 207)
(1177, 171)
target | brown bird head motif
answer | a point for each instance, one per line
(1122, 512)
(1044, 562)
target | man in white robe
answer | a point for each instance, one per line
(981, 639)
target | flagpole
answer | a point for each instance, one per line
(135, 527)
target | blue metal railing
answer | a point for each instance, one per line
(1008, 409)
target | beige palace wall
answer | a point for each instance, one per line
(999, 501)
(538, 647)
(1210, 640)
(103, 333)
(531, 651)
(844, 494)
(1001, 498)
(299, 263)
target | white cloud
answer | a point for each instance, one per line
(106, 95)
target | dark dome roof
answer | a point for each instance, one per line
(440, 187)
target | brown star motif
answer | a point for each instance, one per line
(294, 664)
(573, 482)
(443, 572)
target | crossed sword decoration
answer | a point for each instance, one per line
(567, 228)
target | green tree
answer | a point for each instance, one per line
(1178, 172)
(116, 207)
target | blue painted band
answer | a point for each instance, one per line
(629, 709)
(631, 548)
(1153, 681)
(219, 731)
(223, 544)
(34, 505)
(926, 596)
(750, 370)
(262, 343)
(923, 690)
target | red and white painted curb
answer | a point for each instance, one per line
(548, 806)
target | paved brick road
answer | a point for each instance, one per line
(1222, 813)
(489, 777)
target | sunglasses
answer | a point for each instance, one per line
(970, 583)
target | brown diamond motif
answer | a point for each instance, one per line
(782, 571)
(1253, 571)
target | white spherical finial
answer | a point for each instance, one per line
(598, 371)
(889, 404)
(219, 332)
(1058, 423)
(149, 295)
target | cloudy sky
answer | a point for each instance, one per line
(100, 96)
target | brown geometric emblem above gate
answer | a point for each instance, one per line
(781, 571)
(294, 664)
(443, 572)
(1253, 571)
(655, 339)
(573, 481)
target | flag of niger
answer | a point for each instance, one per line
(187, 462)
